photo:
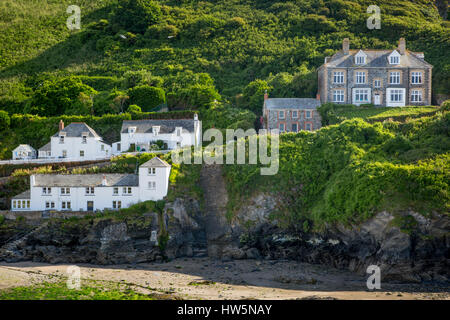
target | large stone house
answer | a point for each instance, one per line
(390, 78)
(291, 114)
(77, 142)
(89, 192)
(141, 135)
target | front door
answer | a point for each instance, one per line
(90, 206)
(377, 100)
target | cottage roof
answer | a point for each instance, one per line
(155, 162)
(166, 125)
(292, 103)
(24, 195)
(377, 59)
(76, 129)
(25, 147)
(86, 180)
(46, 147)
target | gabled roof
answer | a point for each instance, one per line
(23, 195)
(155, 162)
(86, 180)
(166, 125)
(47, 147)
(75, 129)
(25, 147)
(292, 103)
(377, 59)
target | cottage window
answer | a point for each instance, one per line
(308, 114)
(416, 96)
(416, 77)
(361, 95)
(14, 204)
(338, 77)
(90, 190)
(294, 114)
(49, 205)
(117, 204)
(84, 139)
(281, 114)
(61, 139)
(102, 147)
(394, 77)
(281, 127)
(338, 96)
(360, 77)
(152, 185)
(360, 60)
(116, 191)
(46, 191)
(294, 127)
(81, 153)
(308, 126)
(396, 95)
(394, 60)
(65, 191)
(377, 83)
(126, 190)
(28, 204)
(151, 171)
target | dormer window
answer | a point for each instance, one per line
(360, 57)
(151, 171)
(155, 130)
(394, 57)
(131, 129)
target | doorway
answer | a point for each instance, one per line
(90, 206)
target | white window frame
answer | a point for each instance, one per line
(338, 77)
(416, 77)
(360, 75)
(395, 103)
(339, 95)
(295, 112)
(90, 191)
(416, 96)
(281, 112)
(375, 82)
(152, 185)
(294, 124)
(151, 171)
(361, 91)
(394, 75)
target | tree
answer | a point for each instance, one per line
(137, 15)
(134, 109)
(253, 95)
(54, 96)
(5, 121)
(147, 97)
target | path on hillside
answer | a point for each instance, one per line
(218, 230)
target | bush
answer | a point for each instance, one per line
(137, 15)
(134, 109)
(147, 97)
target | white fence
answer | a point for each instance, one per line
(55, 160)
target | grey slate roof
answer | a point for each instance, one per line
(25, 147)
(23, 195)
(376, 59)
(75, 129)
(155, 162)
(292, 103)
(166, 125)
(86, 180)
(47, 147)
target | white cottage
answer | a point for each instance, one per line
(24, 152)
(142, 135)
(95, 191)
(77, 141)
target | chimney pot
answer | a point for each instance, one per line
(402, 46)
(318, 97)
(61, 125)
(346, 46)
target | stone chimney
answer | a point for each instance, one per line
(346, 46)
(266, 95)
(104, 182)
(61, 125)
(402, 46)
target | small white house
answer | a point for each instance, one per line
(24, 152)
(77, 141)
(91, 192)
(142, 135)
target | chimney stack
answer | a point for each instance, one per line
(266, 95)
(346, 46)
(61, 125)
(318, 96)
(104, 182)
(402, 46)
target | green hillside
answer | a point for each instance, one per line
(196, 51)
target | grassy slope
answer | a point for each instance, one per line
(273, 39)
(345, 173)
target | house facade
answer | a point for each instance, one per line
(77, 141)
(291, 114)
(24, 152)
(142, 135)
(392, 78)
(58, 192)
